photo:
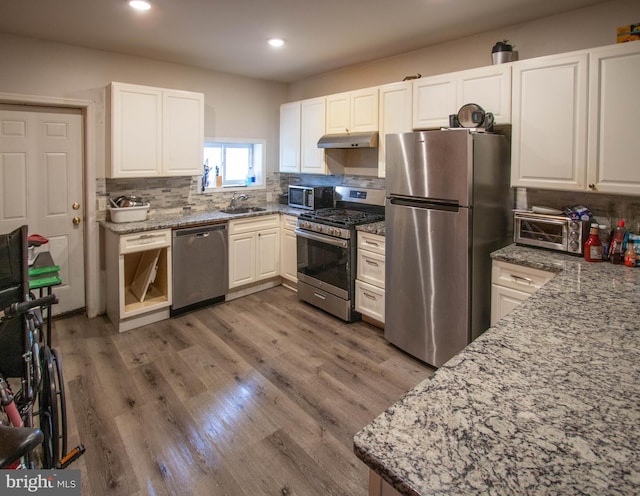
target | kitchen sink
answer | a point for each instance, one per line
(242, 210)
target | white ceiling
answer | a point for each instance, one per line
(230, 35)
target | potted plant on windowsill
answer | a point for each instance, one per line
(502, 52)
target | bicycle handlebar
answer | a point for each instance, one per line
(24, 306)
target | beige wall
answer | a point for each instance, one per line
(234, 106)
(583, 28)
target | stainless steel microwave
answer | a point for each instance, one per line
(311, 197)
(553, 232)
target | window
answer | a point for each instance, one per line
(233, 163)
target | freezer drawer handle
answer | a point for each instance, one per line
(425, 204)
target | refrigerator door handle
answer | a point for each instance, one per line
(425, 203)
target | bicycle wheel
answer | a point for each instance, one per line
(49, 411)
(62, 404)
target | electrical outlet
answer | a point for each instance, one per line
(102, 203)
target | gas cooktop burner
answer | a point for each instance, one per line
(341, 217)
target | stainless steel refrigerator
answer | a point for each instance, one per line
(448, 207)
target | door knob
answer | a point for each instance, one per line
(75, 206)
(76, 221)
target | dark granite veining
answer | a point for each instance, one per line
(545, 402)
(373, 228)
(170, 219)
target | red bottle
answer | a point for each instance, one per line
(593, 246)
(616, 253)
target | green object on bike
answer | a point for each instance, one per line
(43, 270)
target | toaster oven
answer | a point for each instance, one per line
(553, 232)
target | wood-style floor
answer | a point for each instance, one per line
(260, 395)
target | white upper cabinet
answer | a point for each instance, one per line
(352, 111)
(155, 132)
(489, 87)
(290, 137)
(549, 132)
(574, 121)
(614, 106)
(312, 128)
(182, 133)
(436, 97)
(136, 131)
(395, 115)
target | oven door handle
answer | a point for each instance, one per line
(341, 243)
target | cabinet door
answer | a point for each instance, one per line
(242, 259)
(290, 137)
(395, 116)
(364, 110)
(504, 300)
(268, 254)
(614, 144)
(288, 249)
(312, 159)
(136, 131)
(434, 98)
(548, 144)
(183, 133)
(489, 87)
(338, 113)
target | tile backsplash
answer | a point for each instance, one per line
(183, 192)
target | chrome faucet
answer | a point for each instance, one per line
(234, 199)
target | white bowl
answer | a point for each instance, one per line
(129, 214)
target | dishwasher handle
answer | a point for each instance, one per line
(200, 232)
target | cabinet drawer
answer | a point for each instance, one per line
(370, 300)
(519, 277)
(254, 224)
(371, 267)
(371, 242)
(148, 240)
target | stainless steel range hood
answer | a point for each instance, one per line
(349, 140)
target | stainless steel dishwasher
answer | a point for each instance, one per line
(199, 266)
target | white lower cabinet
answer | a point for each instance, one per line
(138, 278)
(511, 284)
(370, 291)
(288, 249)
(254, 249)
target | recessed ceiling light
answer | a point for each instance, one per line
(140, 4)
(276, 42)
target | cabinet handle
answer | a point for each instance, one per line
(368, 295)
(371, 262)
(520, 278)
(592, 186)
(372, 243)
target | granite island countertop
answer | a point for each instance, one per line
(178, 218)
(545, 402)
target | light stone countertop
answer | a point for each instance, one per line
(173, 219)
(545, 402)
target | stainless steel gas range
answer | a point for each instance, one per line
(326, 245)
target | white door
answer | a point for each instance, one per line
(41, 164)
